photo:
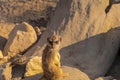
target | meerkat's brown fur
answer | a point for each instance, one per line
(51, 60)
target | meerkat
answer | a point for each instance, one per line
(51, 60)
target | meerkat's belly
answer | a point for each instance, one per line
(51, 63)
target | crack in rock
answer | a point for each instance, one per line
(111, 2)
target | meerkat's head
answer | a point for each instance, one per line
(54, 41)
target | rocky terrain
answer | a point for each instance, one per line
(89, 29)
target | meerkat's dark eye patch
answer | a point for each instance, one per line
(56, 42)
(50, 42)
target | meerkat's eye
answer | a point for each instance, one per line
(50, 42)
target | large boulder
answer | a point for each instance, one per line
(20, 38)
(74, 74)
(90, 36)
(5, 29)
(114, 70)
(34, 66)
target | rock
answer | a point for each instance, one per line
(4, 60)
(35, 77)
(38, 31)
(5, 29)
(18, 78)
(105, 78)
(18, 72)
(5, 71)
(74, 74)
(18, 60)
(21, 38)
(34, 66)
(1, 55)
(90, 37)
(114, 70)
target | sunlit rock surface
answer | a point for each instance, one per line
(21, 38)
(34, 66)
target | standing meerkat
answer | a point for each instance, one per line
(51, 60)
